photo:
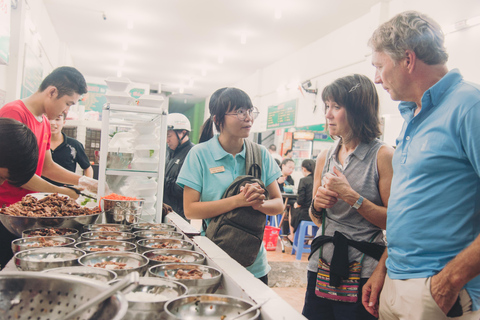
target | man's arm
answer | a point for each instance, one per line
(40, 185)
(55, 172)
(446, 285)
(88, 172)
(371, 290)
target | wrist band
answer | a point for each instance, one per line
(315, 212)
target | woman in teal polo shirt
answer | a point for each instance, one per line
(212, 166)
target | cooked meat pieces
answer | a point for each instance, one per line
(192, 274)
(45, 243)
(111, 265)
(104, 249)
(166, 245)
(52, 205)
(50, 232)
(167, 258)
(108, 229)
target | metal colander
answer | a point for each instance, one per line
(43, 296)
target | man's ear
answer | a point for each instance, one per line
(51, 91)
(410, 60)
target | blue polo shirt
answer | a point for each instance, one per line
(196, 174)
(434, 206)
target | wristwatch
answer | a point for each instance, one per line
(357, 204)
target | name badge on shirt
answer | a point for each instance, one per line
(217, 169)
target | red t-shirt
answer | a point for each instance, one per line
(17, 110)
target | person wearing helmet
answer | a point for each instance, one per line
(179, 144)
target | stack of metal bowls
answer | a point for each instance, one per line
(122, 211)
(47, 258)
(133, 262)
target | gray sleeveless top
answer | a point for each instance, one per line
(360, 169)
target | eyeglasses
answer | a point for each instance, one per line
(242, 113)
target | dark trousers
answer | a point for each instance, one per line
(316, 308)
(264, 279)
(6, 239)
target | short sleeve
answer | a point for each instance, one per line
(12, 113)
(82, 157)
(191, 174)
(271, 170)
(470, 136)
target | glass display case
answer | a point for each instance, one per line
(132, 154)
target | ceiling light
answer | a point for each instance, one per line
(243, 38)
(119, 73)
(278, 13)
(181, 90)
(473, 21)
(130, 23)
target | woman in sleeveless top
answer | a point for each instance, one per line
(351, 189)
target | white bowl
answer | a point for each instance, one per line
(150, 140)
(150, 100)
(146, 164)
(119, 98)
(117, 84)
(145, 127)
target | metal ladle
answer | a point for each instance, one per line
(130, 281)
(252, 308)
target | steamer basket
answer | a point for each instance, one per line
(42, 296)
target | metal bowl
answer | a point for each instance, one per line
(153, 226)
(106, 227)
(108, 235)
(151, 294)
(40, 242)
(47, 258)
(157, 234)
(47, 232)
(133, 261)
(42, 296)
(17, 224)
(149, 244)
(208, 284)
(86, 272)
(122, 211)
(208, 307)
(106, 245)
(188, 256)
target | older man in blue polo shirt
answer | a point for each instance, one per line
(432, 266)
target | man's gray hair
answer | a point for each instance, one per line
(411, 30)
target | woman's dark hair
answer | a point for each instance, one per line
(18, 151)
(67, 80)
(222, 101)
(309, 165)
(357, 94)
(285, 161)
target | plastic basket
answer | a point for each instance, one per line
(270, 238)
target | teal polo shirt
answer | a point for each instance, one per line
(196, 173)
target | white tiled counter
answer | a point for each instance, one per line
(237, 281)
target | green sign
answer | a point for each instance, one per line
(32, 73)
(282, 115)
(320, 133)
(4, 31)
(95, 98)
(137, 92)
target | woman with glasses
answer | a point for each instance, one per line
(212, 166)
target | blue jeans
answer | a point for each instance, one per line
(317, 308)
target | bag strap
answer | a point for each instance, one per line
(253, 159)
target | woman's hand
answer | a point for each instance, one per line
(281, 180)
(325, 198)
(336, 182)
(252, 194)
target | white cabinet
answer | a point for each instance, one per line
(116, 116)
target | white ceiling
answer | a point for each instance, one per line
(173, 40)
